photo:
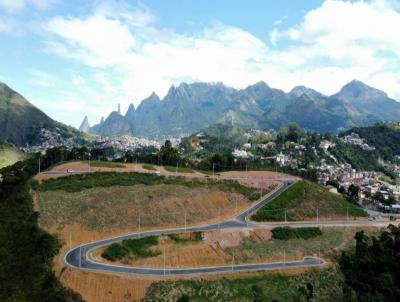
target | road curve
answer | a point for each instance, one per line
(79, 257)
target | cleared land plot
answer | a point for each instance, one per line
(244, 246)
(120, 206)
(305, 201)
(106, 201)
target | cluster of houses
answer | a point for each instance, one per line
(355, 139)
(53, 138)
(50, 139)
(125, 142)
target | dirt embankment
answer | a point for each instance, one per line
(109, 287)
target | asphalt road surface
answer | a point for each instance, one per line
(79, 257)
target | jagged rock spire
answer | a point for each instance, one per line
(85, 126)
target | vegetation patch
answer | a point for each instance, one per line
(139, 248)
(106, 164)
(190, 238)
(286, 233)
(10, 155)
(80, 182)
(178, 169)
(306, 200)
(331, 240)
(149, 167)
(317, 285)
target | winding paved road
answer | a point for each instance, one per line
(79, 257)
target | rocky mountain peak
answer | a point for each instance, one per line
(85, 126)
(298, 91)
(359, 91)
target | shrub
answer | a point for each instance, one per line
(114, 252)
(138, 247)
(194, 237)
(286, 233)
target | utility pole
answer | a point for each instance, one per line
(39, 164)
(219, 214)
(233, 260)
(235, 206)
(317, 215)
(185, 221)
(164, 259)
(285, 216)
(213, 169)
(284, 258)
(139, 227)
(80, 256)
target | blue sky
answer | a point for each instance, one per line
(72, 59)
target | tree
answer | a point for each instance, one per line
(352, 193)
(169, 155)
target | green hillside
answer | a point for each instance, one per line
(303, 201)
(10, 155)
(21, 122)
(384, 137)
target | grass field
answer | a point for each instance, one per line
(77, 183)
(305, 200)
(149, 167)
(178, 169)
(105, 164)
(294, 248)
(10, 155)
(326, 286)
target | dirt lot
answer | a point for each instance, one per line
(253, 178)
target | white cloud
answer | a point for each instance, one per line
(42, 78)
(15, 6)
(78, 80)
(4, 27)
(333, 44)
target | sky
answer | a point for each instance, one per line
(75, 58)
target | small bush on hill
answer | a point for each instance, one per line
(193, 237)
(114, 252)
(137, 247)
(286, 233)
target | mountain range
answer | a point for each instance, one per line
(188, 108)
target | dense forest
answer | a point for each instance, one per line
(372, 269)
(26, 251)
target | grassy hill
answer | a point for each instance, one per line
(303, 201)
(104, 201)
(10, 155)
